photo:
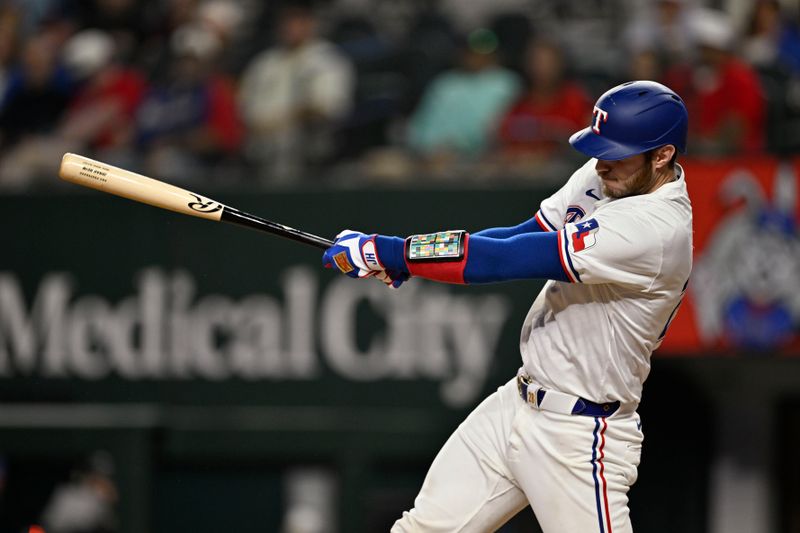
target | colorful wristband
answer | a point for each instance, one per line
(436, 247)
(438, 256)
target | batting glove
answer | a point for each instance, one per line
(355, 255)
(392, 278)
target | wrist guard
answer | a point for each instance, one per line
(436, 247)
(438, 256)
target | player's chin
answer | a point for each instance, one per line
(616, 194)
(608, 190)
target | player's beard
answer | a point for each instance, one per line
(640, 182)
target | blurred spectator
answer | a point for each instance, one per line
(461, 108)
(590, 31)
(645, 65)
(723, 94)
(9, 21)
(99, 117)
(292, 95)
(177, 13)
(514, 31)
(393, 20)
(37, 93)
(86, 503)
(36, 96)
(469, 14)
(232, 23)
(664, 28)
(35, 13)
(772, 46)
(552, 108)
(127, 21)
(381, 87)
(432, 46)
(225, 19)
(770, 41)
(188, 124)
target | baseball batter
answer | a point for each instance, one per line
(615, 243)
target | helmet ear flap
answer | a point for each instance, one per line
(633, 118)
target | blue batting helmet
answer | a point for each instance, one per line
(633, 118)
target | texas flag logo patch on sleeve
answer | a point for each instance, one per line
(585, 235)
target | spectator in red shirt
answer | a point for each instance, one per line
(552, 106)
(100, 116)
(723, 93)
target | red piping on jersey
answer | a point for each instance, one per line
(602, 474)
(561, 257)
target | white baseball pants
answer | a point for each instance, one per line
(574, 471)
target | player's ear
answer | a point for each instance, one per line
(663, 155)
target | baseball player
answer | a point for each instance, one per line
(615, 244)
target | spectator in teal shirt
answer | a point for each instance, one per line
(460, 109)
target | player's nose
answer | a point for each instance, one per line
(602, 167)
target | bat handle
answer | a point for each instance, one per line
(240, 218)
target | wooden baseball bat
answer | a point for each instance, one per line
(114, 180)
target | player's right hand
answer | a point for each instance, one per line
(355, 255)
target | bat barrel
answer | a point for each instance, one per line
(120, 182)
(114, 180)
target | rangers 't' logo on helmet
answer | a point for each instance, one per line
(598, 116)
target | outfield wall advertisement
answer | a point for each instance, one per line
(96, 290)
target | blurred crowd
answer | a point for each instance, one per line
(245, 92)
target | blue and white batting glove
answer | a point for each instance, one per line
(355, 255)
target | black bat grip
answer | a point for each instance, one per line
(240, 218)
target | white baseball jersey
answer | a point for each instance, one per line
(629, 261)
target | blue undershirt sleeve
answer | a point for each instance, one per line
(529, 226)
(525, 256)
(391, 251)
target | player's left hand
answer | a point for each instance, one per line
(355, 255)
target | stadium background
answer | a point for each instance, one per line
(159, 373)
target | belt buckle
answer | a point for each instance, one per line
(533, 397)
(523, 387)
